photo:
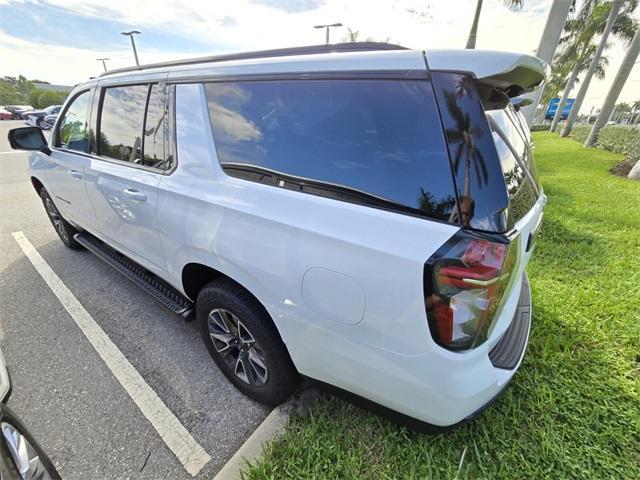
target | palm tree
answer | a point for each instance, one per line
(581, 64)
(616, 87)
(471, 41)
(463, 136)
(635, 109)
(613, 15)
(352, 36)
(581, 30)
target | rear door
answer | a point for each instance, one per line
(123, 178)
(70, 155)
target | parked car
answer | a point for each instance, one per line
(358, 214)
(5, 114)
(21, 458)
(49, 121)
(36, 118)
(18, 110)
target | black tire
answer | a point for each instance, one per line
(45, 464)
(280, 378)
(63, 228)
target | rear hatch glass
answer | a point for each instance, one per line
(516, 161)
(487, 149)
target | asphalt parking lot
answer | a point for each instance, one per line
(62, 388)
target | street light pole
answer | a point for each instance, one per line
(130, 34)
(104, 62)
(327, 27)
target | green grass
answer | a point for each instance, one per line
(573, 409)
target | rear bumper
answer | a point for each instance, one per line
(508, 352)
(439, 390)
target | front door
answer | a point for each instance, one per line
(122, 179)
(69, 155)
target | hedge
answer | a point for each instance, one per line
(615, 138)
(543, 127)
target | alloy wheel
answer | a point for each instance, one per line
(56, 219)
(237, 346)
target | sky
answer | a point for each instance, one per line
(59, 40)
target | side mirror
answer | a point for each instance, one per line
(28, 138)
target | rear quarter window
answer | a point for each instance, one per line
(379, 137)
(479, 179)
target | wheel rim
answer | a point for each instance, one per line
(237, 347)
(55, 217)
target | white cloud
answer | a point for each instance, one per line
(239, 25)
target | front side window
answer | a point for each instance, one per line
(72, 129)
(369, 141)
(121, 122)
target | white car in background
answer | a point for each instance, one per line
(36, 118)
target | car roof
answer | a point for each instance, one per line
(498, 69)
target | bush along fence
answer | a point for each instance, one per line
(615, 138)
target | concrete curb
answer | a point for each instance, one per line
(270, 429)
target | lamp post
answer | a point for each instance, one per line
(327, 27)
(130, 34)
(104, 62)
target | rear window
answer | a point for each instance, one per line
(479, 180)
(379, 138)
(516, 161)
(133, 125)
(121, 120)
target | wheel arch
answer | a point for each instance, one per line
(37, 184)
(195, 276)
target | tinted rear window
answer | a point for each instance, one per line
(479, 179)
(515, 156)
(121, 122)
(380, 137)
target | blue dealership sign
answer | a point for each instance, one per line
(553, 107)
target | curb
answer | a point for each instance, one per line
(270, 429)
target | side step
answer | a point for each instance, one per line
(152, 284)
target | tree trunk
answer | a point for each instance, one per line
(471, 41)
(563, 101)
(635, 171)
(615, 9)
(612, 96)
(547, 46)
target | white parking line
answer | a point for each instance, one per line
(192, 456)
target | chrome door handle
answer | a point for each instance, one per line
(135, 195)
(76, 174)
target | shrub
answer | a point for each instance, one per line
(543, 127)
(43, 98)
(615, 138)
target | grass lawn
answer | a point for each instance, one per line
(573, 409)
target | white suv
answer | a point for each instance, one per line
(358, 214)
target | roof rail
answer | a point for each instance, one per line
(279, 52)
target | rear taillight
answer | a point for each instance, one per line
(465, 282)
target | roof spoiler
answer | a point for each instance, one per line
(511, 73)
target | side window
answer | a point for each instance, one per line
(345, 139)
(154, 130)
(72, 129)
(121, 122)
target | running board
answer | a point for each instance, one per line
(152, 284)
